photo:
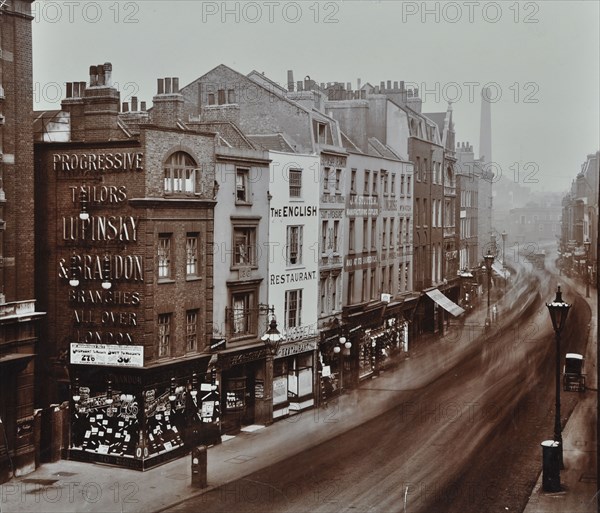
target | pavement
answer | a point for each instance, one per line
(70, 486)
(579, 478)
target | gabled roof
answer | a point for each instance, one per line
(275, 142)
(228, 132)
(438, 118)
(382, 150)
(348, 144)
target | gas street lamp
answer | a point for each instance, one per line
(341, 349)
(489, 260)
(558, 314)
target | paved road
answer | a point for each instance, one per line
(450, 445)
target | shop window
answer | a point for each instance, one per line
(350, 288)
(164, 257)
(323, 294)
(295, 183)
(242, 183)
(181, 174)
(191, 330)
(191, 255)
(365, 290)
(293, 308)
(244, 245)
(164, 335)
(294, 245)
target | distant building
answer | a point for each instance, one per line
(579, 223)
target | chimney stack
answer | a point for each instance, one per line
(125, 107)
(143, 106)
(167, 103)
(134, 104)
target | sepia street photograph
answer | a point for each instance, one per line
(283, 256)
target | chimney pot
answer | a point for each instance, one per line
(82, 86)
(358, 82)
(382, 86)
(395, 84)
(69, 89)
(108, 74)
(77, 93)
(161, 86)
(299, 85)
(401, 86)
(349, 86)
(168, 85)
(290, 77)
(175, 84)
(93, 76)
(100, 71)
(125, 107)
(143, 106)
(389, 84)
(134, 104)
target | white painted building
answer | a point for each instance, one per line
(294, 276)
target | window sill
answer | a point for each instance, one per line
(161, 281)
(243, 203)
(239, 267)
(193, 278)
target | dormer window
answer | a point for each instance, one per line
(321, 133)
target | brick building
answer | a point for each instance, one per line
(128, 211)
(18, 312)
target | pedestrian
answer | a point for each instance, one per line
(494, 313)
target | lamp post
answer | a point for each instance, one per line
(587, 245)
(341, 350)
(272, 339)
(504, 235)
(489, 260)
(558, 314)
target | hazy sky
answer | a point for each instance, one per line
(540, 58)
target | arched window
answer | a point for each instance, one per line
(180, 174)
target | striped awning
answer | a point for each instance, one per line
(445, 302)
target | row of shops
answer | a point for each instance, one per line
(141, 417)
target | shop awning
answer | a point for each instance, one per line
(22, 358)
(445, 303)
(498, 269)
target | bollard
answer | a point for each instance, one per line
(550, 466)
(199, 463)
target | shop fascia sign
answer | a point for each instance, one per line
(107, 354)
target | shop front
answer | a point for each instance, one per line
(246, 397)
(141, 417)
(294, 378)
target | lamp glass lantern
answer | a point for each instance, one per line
(272, 338)
(84, 215)
(558, 311)
(106, 283)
